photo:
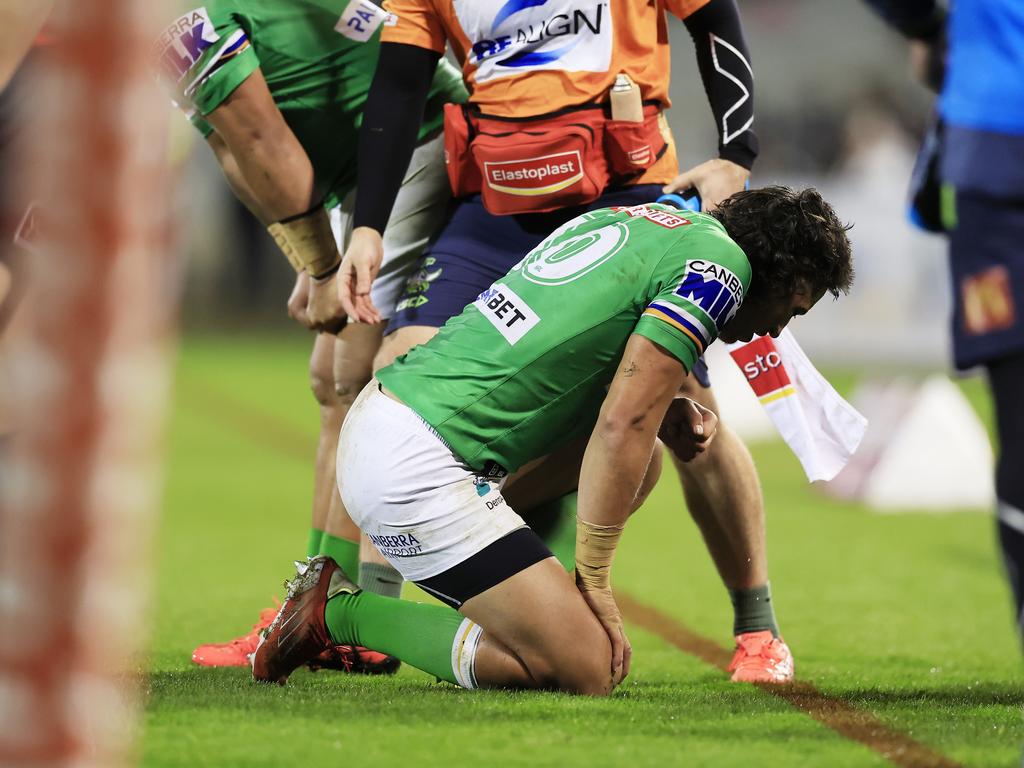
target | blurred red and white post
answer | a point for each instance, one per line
(80, 486)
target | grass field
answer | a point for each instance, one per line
(900, 624)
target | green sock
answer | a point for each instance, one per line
(555, 522)
(419, 634)
(380, 579)
(344, 552)
(313, 543)
(753, 610)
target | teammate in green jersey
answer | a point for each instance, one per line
(277, 87)
(592, 332)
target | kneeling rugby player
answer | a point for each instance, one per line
(593, 331)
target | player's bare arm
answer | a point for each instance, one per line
(270, 158)
(298, 300)
(614, 465)
(276, 176)
(235, 179)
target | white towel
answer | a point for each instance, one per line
(820, 427)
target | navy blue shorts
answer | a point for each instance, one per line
(986, 250)
(475, 248)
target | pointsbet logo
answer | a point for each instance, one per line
(507, 312)
(535, 175)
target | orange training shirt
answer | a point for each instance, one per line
(522, 58)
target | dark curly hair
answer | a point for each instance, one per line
(791, 239)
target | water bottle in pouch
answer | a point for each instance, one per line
(625, 100)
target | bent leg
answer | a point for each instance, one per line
(321, 382)
(539, 618)
(351, 361)
(723, 495)
(453, 533)
(546, 492)
(532, 630)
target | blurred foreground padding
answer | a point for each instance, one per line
(88, 372)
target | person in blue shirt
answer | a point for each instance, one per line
(974, 56)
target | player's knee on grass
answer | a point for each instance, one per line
(592, 675)
(584, 668)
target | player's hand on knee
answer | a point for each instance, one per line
(688, 428)
(602, 603)
(299, 299)
(323, 308)
(714, 180)
(359, 267)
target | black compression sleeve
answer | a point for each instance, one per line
(391, 123)
(724, 63)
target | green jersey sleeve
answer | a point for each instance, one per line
(696, 288)
(205, 57)
(201, 125)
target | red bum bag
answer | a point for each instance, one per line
(530, 165)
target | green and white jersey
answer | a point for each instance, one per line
(318, 58)
(527, 365)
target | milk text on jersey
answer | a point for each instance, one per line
(507, 37)
(713, 288)
(184, 41)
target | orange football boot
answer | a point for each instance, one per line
(761, 658)
(235, 653)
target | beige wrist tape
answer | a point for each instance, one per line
(595, 549)
(307, 242)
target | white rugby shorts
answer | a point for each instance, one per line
(423, 507)
(419, 211)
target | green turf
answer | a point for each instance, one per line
(906, 616)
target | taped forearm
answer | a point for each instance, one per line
(724, 63)
(308, 242)
(391, 123)
(595, 550)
